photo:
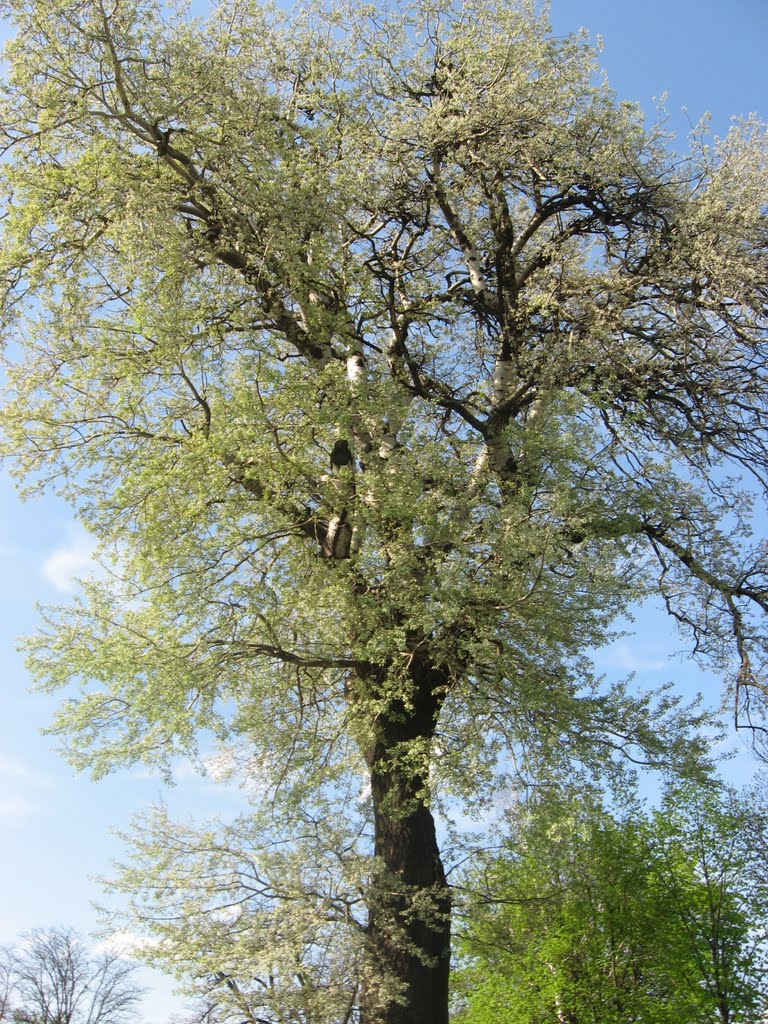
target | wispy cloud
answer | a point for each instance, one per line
(6, 548)
(70, 562)
(10, 768)
(622, 656)
(17, 780)
(14, 807)
(13, 770)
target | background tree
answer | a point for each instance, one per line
(55, 979)
(589, 918)
(709, 859)
(6, 984)
(390, 358)
(260, 920)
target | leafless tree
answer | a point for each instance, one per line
(51, 977)
(5, 984)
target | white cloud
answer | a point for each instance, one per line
(12, 769)
(185, 768)
(227, 915)
(621, 656)
(239, 769)
(125, 943)
(70, 562)
(14, 807)
(16, 777)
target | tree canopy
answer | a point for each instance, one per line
(610, 918)
(390, 358)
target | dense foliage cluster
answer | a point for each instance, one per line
(598, 918)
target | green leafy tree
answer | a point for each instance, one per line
(587, 918)
(390, 359)
(710, 861)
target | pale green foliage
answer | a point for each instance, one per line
(607, 919)
(152, 392)
(388, 357)
(262, 918)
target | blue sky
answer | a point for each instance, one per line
(55, 826)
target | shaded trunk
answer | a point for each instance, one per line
(409, 909)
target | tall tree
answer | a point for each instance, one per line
(391, 358)
(54, 979)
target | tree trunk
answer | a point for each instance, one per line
(409, 910)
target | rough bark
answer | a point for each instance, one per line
(409, 918)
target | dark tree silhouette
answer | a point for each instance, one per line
(51, 977)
